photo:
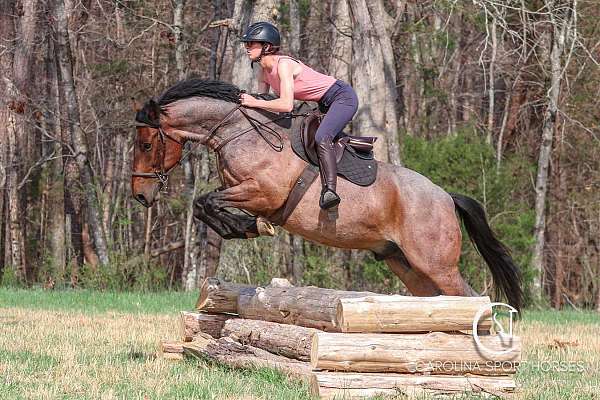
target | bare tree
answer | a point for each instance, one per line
(245, 13)
(19, 127)
(562, 18)
(341, 39)
(79, 141)
(376, 85)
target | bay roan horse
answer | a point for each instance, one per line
(403, 218)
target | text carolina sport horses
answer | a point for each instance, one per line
(402, 217)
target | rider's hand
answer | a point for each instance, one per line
(248, 100)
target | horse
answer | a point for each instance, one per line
(402, 217)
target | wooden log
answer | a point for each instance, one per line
(310, 307)
(344, 385)
(217, 296)
(170, 350)
(398, 314)
(226, 351)
(286, 340)
(191, 323)
(434, 352)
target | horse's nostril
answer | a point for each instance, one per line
(140, 197)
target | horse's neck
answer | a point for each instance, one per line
(254, 137)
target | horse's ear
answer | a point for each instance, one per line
(137, 106)
(153, 111)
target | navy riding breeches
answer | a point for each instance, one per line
(339, 103)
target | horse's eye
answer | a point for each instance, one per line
(147, 146)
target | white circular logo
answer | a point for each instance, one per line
(506, 337)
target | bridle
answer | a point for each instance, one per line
(162, 175)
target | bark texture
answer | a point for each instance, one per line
(397, 314)
(286, 340)
(333, 385)
(436, 352)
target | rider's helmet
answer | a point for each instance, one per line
(266, 33)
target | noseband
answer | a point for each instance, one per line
(162, 175)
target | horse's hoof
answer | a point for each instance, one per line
(264, 227)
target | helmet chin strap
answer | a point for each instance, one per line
(262, 54)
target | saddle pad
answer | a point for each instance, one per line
(355, 169)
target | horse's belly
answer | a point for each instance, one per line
(357, 223)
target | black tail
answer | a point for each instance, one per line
(506, 274)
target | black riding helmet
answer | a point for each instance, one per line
(267, 34)
(262, 32)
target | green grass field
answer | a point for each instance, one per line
(99, 345)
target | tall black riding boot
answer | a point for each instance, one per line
(327, 163)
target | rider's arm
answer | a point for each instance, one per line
(285, 102)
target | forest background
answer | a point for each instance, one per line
(496, 99)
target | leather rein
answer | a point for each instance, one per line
(162, 175)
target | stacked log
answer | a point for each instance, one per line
(351, 344)
(402, 314)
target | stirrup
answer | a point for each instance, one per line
(329, 199)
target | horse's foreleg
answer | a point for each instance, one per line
(226, 224)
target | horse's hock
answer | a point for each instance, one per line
(351, 344)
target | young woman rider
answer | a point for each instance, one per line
(292, 80)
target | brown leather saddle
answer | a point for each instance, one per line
(354, 154)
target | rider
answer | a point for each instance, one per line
(291, 79)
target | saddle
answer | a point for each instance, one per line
(354, 154)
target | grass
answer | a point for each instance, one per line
(102, 345)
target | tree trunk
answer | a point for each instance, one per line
(19, 110)
(312, 41)
(298, 259)
(79, 141)
(246, 12)
(556, 42)
(492, 84)
(376, 86)
(341, 39)
(6, 34)
(294, 42)
(180, 43)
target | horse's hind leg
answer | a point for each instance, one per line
(417, 284)
(428, 260)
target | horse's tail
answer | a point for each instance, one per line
(506, 274)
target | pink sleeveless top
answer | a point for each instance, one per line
(309, 85)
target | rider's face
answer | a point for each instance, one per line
(253, 49)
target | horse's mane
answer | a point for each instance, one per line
(199, 87)
(193, 87)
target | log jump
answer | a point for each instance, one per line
(348, 344)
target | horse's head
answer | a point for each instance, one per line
(155, 153)
(192, 109)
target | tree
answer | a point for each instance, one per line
(376, 84)
(77, 135)
(562, 15)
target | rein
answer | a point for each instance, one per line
(162, 175)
